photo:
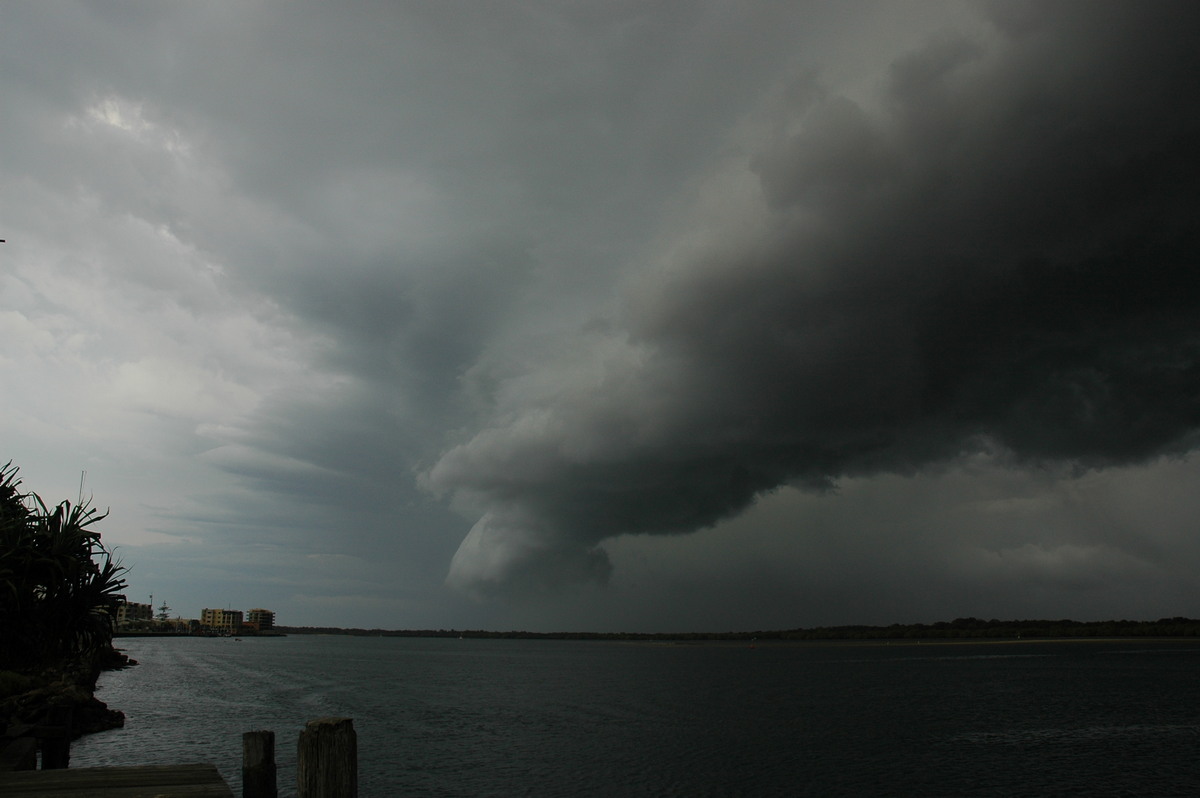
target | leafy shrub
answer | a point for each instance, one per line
(59, 586)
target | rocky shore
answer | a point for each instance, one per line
(26, 699)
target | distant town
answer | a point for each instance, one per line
(134, 618)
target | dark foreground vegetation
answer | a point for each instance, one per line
(59, 589)
(961, 628)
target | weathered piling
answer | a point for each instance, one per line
(55, 737)
(327, 766)
(258, 765)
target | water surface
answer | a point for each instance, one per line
(449, 717)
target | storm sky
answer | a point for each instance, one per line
(611, 315)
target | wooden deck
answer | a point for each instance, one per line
(146, 781)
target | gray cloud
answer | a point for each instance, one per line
(306, 292)
(996, 254)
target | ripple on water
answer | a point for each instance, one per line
(477, 718)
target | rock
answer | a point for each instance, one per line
(95, 716)
(33, 694)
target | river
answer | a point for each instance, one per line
(450, 717)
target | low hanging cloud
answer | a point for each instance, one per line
(996, 252)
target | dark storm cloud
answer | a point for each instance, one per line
(998, 254)
(607, 267)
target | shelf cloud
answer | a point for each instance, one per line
(996, 253)
(685, 315)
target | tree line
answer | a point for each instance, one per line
(958, 629)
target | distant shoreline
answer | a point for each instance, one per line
(962, 630)
(926, 642)
(669, 641)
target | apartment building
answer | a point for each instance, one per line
(263, 620)
(129, 612)
(222, 620)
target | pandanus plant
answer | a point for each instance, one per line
(59, 585)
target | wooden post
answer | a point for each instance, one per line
(55, 736)
(327, 765)
(258, 765)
